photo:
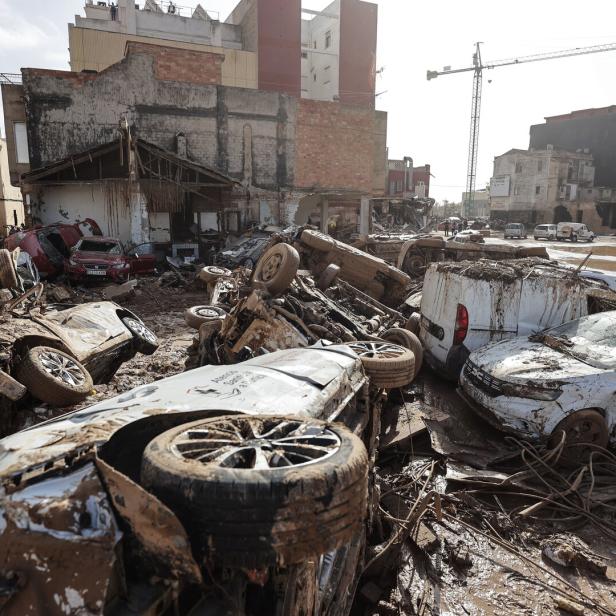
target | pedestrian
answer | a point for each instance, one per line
(446, 228)
(454, 228)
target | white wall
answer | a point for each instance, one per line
(71, 203)
(10, 196)
(322, 63)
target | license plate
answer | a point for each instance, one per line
(96, 272)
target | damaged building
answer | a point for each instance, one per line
(283, 157)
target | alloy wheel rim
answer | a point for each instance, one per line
(140, 330)
(207, 312)
(271, 267)
(256, 443)
(62, 368)
(376, 350)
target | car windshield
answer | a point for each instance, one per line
(590, 339)
(109, 247)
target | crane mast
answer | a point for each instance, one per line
(477, 68)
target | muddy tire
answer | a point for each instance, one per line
(211, 273)
(318, 240)
(276, 268)
(8, 276)
(584, 431)
(144, 338)
(412, 323)
(387, 365)
(198, 315)
(327, 277)
(254, 511)
(415, 264)
(54, 376)
(574, 238)
(408, 340)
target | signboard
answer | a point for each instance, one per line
(499, 186)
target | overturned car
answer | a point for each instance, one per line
(238, 490)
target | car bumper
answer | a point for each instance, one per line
(519, 416)
(81, 274)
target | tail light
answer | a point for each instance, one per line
(461, 329)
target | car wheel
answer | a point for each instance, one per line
(318, 240)
(145, 339)
(196, 316)
(584, 431)
(327, 277)
(574, 238)
(258, 491)
(408, 340)
(415, 265)
(211, 273)
(412, 323)
(591, 239)
(8, 275)
(276, 268)
(387, 365)
(53, 376)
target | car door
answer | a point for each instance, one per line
(142, 259)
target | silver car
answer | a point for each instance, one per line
(545, 232)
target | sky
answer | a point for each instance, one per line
(427, 120)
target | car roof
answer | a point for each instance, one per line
(100, 238)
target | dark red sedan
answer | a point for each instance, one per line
(105, 257)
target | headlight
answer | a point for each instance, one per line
(531, 392)
(120, 266)
(72, 262)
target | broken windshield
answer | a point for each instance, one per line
(111, 248)
(590, 339)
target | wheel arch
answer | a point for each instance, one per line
(29, 341)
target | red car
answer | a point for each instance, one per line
(98, 257)
(50, 246)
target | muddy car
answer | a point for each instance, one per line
(560, 380)
(55, 352)
(372, 275)
(225, 489)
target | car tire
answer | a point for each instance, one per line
(388, 365)
(327, 277)
(53, 376)
(145, 339)
(8, 275)
(408, 340)
(211, 273)
(277, 268)
(415, 265)
(241, 516)
(196, 316)
(412, 324)
(574, 238)
(317, 240)
(580, 427)
(536, 239)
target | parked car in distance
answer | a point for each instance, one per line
(232, 481)
(562, 379)
(466, 305)
(95, 258)
(515, 229)
(574, 231)
(49, 246)
(545, 232)
(468, 235)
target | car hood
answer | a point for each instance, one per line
(97, 257)
(316, 382)
(84, 327)
(519, 360)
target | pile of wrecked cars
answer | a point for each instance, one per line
(55, 352)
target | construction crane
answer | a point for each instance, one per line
(478, 68)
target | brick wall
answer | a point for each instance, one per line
(173, 64)
(334, 146)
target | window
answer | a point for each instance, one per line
(314, 45)
(314, 77)
(537, 190)
(21, 142)
(392, 187)
(304, 55)
(539, 166)
(518, 167)
(516, 190)
(328, 39)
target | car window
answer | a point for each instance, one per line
(110, 247)
(590, 339)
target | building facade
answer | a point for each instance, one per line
(405, 180)
(269, 45)
(543, 186)
(277, 148)
(11, 203)
(480, 206)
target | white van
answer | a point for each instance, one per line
(466, 305)
(574, 231)
(545, 232)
